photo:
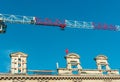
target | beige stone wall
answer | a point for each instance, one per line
(64, 72)
(91, 72)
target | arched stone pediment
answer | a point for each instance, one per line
(72, 55)
(101, 57)
(18, 53)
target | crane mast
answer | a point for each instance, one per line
(17, 19)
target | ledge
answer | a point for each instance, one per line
(59, 77)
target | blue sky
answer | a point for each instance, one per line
(47, 42)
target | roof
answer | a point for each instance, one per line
(72, 55)
(101, 57)
(18, 53)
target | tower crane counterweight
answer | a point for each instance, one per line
(3, 27)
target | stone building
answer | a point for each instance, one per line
(18, 63)
(72, 73)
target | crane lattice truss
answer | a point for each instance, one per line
(5, 18)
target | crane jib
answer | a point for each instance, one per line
(18, 19)
(49, 22)
(104, 26)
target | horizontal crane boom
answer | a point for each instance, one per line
(17, 19)
(91, 25)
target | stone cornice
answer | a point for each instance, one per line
(59, 77)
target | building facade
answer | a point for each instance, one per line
(72, 73)
(18, 63)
